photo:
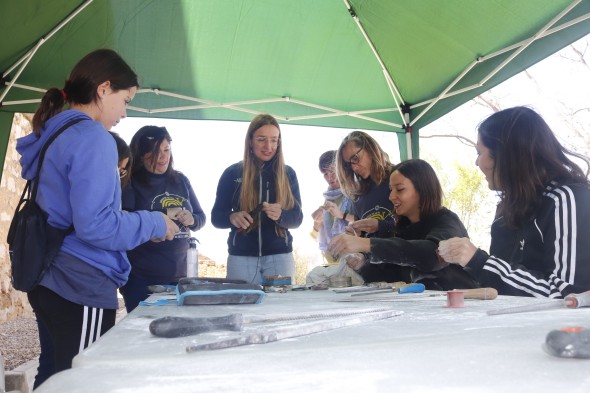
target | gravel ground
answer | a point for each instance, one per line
(19, 342)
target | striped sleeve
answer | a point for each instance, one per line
(562, 266)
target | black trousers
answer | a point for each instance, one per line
(71, 327)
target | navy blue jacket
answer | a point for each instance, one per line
(266, 238)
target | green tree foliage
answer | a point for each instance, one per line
(467, 194)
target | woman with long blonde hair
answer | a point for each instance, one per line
(363, 171)
(258, 199)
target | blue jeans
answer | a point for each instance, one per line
(251, 269)
(135, 290)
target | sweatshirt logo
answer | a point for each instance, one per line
(238, 180)
(378, 212)
(522, 245)
(165, 203)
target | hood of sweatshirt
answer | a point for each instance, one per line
(29, 146)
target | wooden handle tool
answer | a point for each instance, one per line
(479, 293)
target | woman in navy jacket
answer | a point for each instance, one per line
(258, 199)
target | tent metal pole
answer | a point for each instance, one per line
(522, 44)
(409, 149)
(21, 69)
(29, 55)
(394, 90)
(445, 91)
(530, 41)
(205, 104)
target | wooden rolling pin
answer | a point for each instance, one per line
(479, 293)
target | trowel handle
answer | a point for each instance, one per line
(171, 327)
(569, 342)
(411, 288)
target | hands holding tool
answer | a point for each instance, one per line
(242, 220)
(458, 250)
(368, 225)
(334, 210)
(171, 229)
(318, 219)
(185, 217)
(272, 210)
(346, 244)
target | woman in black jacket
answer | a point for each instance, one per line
(539, 242)
(258, 199)
(421, 223)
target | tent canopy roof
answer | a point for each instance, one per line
(306, 62)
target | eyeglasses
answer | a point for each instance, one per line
(354, 159)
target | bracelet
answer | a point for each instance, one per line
(344, 215)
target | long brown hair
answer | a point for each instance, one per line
(527, 158)
(426, 183)
(81, 87)
(249, 197)
(353, 185)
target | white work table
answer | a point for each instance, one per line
(429, 348)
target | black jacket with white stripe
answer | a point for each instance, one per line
(547, 257)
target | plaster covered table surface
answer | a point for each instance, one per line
(428, 348)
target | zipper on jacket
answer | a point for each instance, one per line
(259, 212)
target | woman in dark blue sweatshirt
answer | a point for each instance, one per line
(156, 186)
(258, 199)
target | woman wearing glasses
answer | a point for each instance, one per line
(155, 185)
(124, 156)
(363, 170)
(258, 199)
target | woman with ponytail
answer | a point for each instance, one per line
(79, 186)
(258, 199)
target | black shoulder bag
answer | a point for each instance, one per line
(32, 242)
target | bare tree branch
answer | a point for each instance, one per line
(462, 139)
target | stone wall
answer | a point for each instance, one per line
(13, 304)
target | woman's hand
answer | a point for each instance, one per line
(241, 220)
(355, 261)
(458, 250)
(368, 225)
(333, 209)
(272, 210)
(185, 217)
(318, 218)
(346, 244)
(171, 229)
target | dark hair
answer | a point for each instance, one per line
(327, 160)
(352, 185)
(123, 152)
(81, 87)
(527, 158)
(426, 183)
(147, 140)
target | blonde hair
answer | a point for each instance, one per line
(249, 193)
(353, 185)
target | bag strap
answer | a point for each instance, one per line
(44, 149)
(33, 193)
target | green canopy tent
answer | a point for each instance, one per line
(390, 65)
